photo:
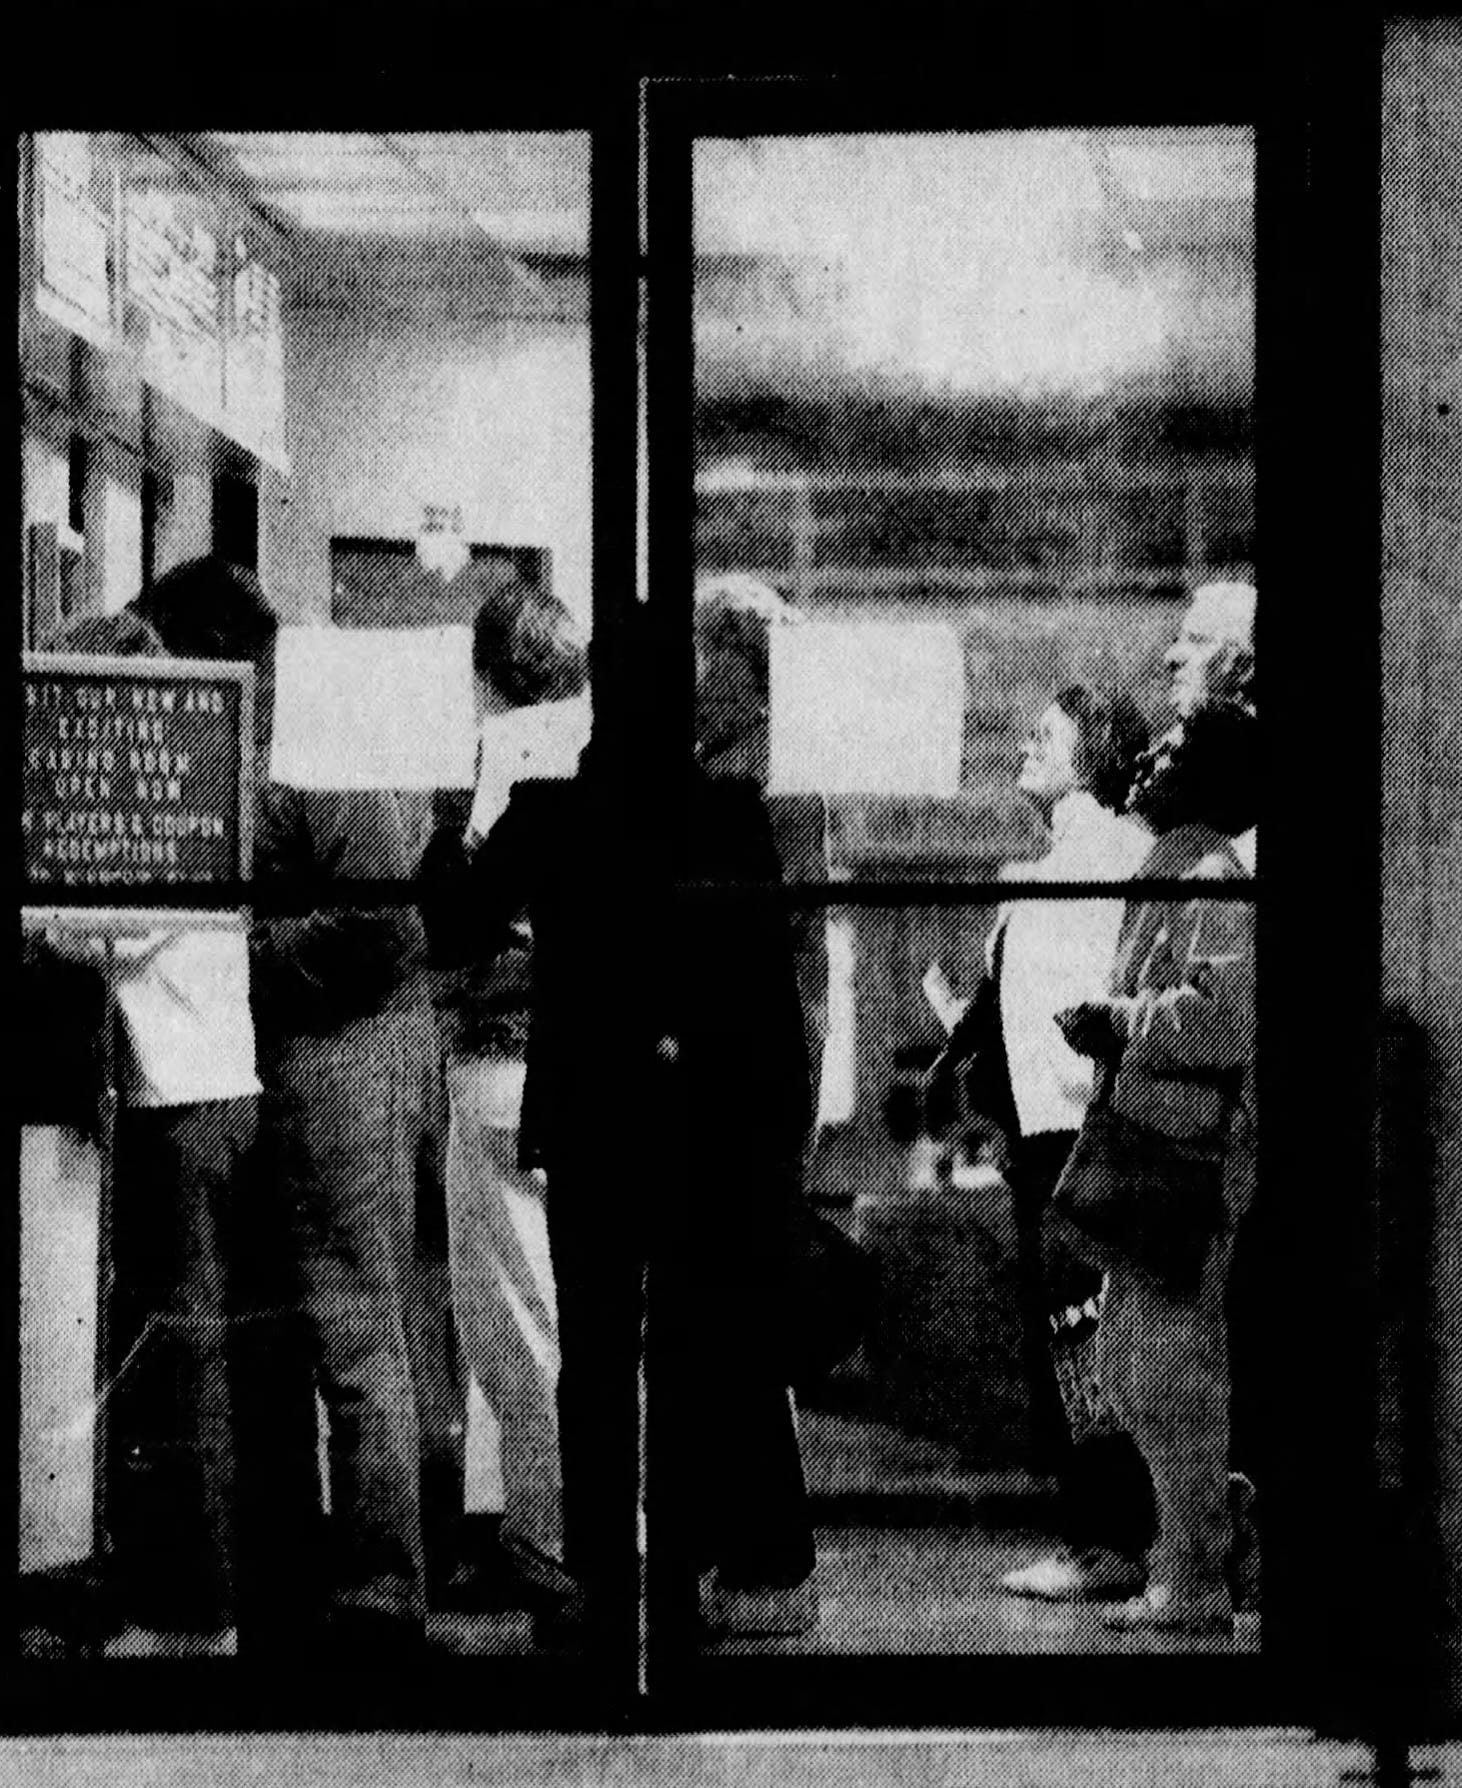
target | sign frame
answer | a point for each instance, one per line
(114, 916)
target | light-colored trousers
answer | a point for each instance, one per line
(503, 1294)
(1163, 1361)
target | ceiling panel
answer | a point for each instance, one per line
(529, 192)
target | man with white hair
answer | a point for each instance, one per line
(1212, 659)
(1216, 631)
(1210, 662)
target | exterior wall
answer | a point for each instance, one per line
(1422, 738)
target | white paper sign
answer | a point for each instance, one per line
(540, 741)
(838, 1085)
(374, 707)
(867, 707)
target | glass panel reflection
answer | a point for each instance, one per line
(288, 1330)
(994, 391)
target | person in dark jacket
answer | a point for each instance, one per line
(666, 1013)
(352, 1116)
(1176, 1043)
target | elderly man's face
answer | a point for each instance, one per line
(1217, 623)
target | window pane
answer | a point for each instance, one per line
(986, 1413)
(334, 1418)
(974, 419)
(974, 422)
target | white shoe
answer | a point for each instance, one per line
(1097, 1575)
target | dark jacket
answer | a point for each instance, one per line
(664, 982)
(1183, 990)
(324, 950)
(482, 986)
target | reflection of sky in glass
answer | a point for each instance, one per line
(1039, 261)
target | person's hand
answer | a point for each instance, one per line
(1091, 1028)
(942, 1092)
(129, 955)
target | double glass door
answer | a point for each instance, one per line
(915, 432)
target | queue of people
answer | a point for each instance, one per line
(365, 1099)
(1111, 1045)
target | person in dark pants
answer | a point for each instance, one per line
(1042, 956)
(181, 1187)
(763, 1580)
(352, 1113)
(667, 1031)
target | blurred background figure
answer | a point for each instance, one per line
(757, 1537)
(734, 619)
(525, 652)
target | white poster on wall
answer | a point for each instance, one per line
(374, 707)
(866, 708)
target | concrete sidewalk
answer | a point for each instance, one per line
(1039, 1759)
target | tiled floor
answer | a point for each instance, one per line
(911, 1548)
(906, 1590)
(934, 1590)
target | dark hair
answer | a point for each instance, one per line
(121, 635)
(1202, 772)
(1111, 735)
(209, 608)
(525, 644)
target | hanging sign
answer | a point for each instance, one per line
(137, 777)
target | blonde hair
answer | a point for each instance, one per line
(738, 612)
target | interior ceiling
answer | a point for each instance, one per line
(526, 191)
(424, 224)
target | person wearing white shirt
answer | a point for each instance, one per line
(1043, 955)
(530, 674)
(186, 1126)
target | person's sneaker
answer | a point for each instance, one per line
(1095, 1575)
(1159, 1610)
(760, 1613)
